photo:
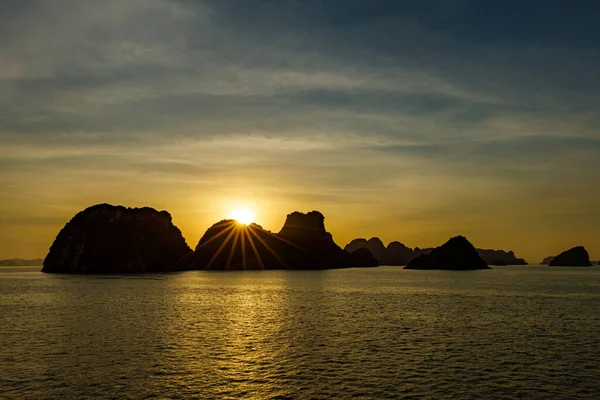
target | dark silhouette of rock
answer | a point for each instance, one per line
(365, 258)
(114, 239)
(302, 243)
(500, 257)
(456, 254)
(374, 245)
(360, 243)
(21, 262)
(547, 260)
(575, 257)
(397, 253)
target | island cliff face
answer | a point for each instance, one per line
(397, 253)
(302, 243)
(575, 257)
(456, 254)
(114, 239)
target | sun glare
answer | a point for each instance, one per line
(242, 215)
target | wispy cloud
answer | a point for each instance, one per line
(424, 111)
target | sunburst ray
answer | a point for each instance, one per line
(218, 235)
(268, 248)
(233, 246)
(260, 262)
(243, 245)
(290, 243)
(220, 249)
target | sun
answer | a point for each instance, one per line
(242, 216)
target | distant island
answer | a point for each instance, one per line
(578, 252)
(397, 253)
(456, 254)
(575, 257)
(21, 262)
(114, 239)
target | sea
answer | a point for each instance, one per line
(513, 332)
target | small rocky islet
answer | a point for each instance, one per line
(456, 254)
(574, 257)
(115, 239)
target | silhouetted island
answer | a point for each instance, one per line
(500, 257)
(456, 254)
(397, 253)
(302, 243)
(21, 262)
(114, 239)
(575, 257)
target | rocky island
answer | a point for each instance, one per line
(115, 239)
(302, 243)
(456, 254)
(397, 253)
(575, 257)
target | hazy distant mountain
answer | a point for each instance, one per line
(500, 257)
(18, 262)
(547, 260)
(456, 254)
(575, 257)
(302, 243)
(397, 253)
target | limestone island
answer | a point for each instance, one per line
(575, 257)
(456, 254)
(397, 253)
(114, 239)
(302, 243)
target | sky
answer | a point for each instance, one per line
(412, 121)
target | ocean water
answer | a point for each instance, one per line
(512, 332)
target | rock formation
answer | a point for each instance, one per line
(456, 254)
(374, 245)
(500, 257)
(575, 257)
(302, 243)
(114, 239)
(397, 253)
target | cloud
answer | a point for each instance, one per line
(376, 102)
